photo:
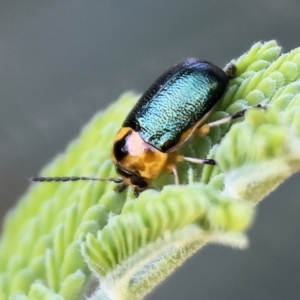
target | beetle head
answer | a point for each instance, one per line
(136, 161)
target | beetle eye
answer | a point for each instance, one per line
(120, 149)
(134, 178)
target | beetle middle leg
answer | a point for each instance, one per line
(171, 168)
(202, 161)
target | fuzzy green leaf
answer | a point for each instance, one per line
(61, 235)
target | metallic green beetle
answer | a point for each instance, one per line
(171, 111)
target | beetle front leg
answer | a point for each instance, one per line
(136, 193)
(171, 168)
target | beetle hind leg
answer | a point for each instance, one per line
(204, 129)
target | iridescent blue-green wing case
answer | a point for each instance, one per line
(176, 101)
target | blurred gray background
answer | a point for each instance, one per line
(61, 61)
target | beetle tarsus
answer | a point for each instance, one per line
(239, 114)
(121, 187)
(230, 70)
(136, 193)
(209, 161)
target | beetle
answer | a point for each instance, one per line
(173, 109)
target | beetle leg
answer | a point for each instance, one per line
(171, 168)
(176, 178)
(230, 70)
(203, 130)
(121, 187)
(202, 161)
(136, 193)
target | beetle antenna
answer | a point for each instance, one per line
(73, 178)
